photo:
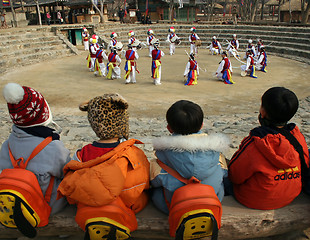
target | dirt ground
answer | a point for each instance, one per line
(66, 82)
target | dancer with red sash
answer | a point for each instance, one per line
(100, 68)
(113, 70)
(233, 46)
(191, 71)
(224, 70)
(249, 68)
(215, 46)
(130, 65)
(262, 60)
(156, 63)
(85, 36)
(94, 46)
(113, 41)
(193, 37)
(149, 41)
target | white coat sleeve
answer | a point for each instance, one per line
(186, 69)
(220, 68)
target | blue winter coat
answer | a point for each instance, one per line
(195, 155)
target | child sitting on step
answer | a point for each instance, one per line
(31, 117)
(266, 170)
(189, 152)
(107, 179)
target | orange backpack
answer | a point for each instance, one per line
(111, 221)
(195, 211)
(22, 204)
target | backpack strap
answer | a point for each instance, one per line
(19, 163)
(177, 175)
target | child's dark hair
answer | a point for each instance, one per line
(185, 117)
(280, 104)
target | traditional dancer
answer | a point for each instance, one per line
(156, 63)
(233, 46)
(250, 48)
(224, 70)
(259, 45)
(215, 46)
(113, 69)
(132, 40)
(94, 46)
(131, 65)
(100, 68)
(191, 71)
(193, 37)
(85, 36)
(249, 68)
(172, 38)
(149, 40)
(261, 63)
(113, 41)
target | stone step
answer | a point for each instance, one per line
(21, 41)
(24, 35)
(28, 45)
(34, 49)
(32, 58)
(213, 28)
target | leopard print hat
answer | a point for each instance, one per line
(108, 116)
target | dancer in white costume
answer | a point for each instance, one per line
(113, 69)
(193, 37)
(172, 38)
(150, 38)
(156, 63)
(215, 46)
(85, 36)
(130, 65)
(100, 66)
(233, 46)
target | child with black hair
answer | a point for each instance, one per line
(189, 152)
(266, 170)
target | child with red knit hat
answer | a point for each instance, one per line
(31, 115)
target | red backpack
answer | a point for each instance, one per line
(22, 204)
(195, 210)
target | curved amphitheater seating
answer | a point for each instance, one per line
(20, 47)
(291, 42)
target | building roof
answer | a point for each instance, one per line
(295, 6)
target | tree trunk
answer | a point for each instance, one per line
(13, 13)
(279, 13)
(305, 13)
(98, 10)
(171, 10)
(262, 12)
(38, 11)
(101, 10)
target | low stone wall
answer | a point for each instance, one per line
(238, 222)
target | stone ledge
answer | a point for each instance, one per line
(238, 222)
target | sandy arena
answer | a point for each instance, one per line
(65, 82)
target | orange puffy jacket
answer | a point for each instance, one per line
(265, 171)
(124, 172)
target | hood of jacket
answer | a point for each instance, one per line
(276, 149)
(191, 155)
